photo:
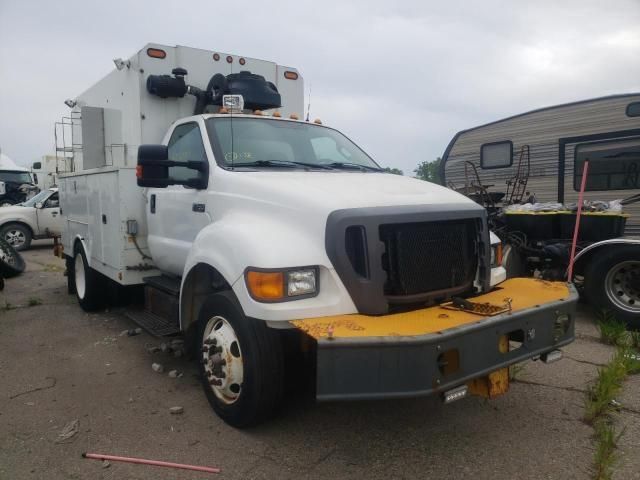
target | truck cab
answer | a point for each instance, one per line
(16, 185)
(256, 234)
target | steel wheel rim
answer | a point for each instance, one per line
(7, 256)
(15, 237)
(222, 360)
(78, 270)
(622, 285)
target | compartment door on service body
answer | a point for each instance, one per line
(176, 214)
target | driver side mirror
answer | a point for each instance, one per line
(153, 169)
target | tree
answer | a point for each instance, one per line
(395, 171)
(429, 171)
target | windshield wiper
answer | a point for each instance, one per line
(282, 163)
(354, 166)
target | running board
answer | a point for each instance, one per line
(152, 323)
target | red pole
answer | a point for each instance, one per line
(157, 463)
(583, 184)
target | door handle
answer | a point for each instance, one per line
(152, 203)
(198, 207)
(54, 214)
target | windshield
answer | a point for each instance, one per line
(263, 142)
(17, 177)
(41, 197)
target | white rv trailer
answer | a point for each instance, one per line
(546, 148)
(557, 139)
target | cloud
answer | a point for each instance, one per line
(399, 79)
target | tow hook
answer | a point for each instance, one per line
(552, 356)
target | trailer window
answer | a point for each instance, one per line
(186, 145)
(633, 109)
(613, 165)
(496, 154)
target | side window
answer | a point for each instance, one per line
(613, 165)
(633, 109)
(496, 154)
(52, 202)
(326, 150)
(186, 145)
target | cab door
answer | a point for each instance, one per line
(48, 216)
(176, 214)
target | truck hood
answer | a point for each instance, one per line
(330, 191)
(14, 211)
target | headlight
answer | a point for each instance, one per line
(282, 285)
(301, 282)
(496, 255)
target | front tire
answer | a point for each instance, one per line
(241, 363)
(17, 235)
(612, 282)
(88, 284)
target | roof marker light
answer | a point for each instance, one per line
(156, 53)
(216, 56)
(229, 59)
(318, 121)
(258, 113)
(294, 116)
(277, 114)
(289, 75)
(242, 61)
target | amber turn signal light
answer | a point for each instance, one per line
(265, 285)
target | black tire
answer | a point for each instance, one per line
(600, 283)
(17, 232)
(88, 284)
(261, 355)
(71, 286)
(11, 262)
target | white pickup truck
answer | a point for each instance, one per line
(257, 234)
(36, 218)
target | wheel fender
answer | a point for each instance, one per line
(81, 241)
(21, 221)
(582, 258)
(229, 247)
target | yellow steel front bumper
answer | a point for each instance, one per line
(434, 349)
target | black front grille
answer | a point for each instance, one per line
(429, 256)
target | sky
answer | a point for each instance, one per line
(399, 78)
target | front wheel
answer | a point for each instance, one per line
(241, 363)
(612, 282)
(17, 235)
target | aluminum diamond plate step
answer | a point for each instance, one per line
(154, 324)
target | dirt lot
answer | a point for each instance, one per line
(59, 364)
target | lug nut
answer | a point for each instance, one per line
(213, 350)
(220, 362)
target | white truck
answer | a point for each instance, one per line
(16, 183)
(262, 237)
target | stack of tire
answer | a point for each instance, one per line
(11, 262)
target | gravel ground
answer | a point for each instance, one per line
(60, 365)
